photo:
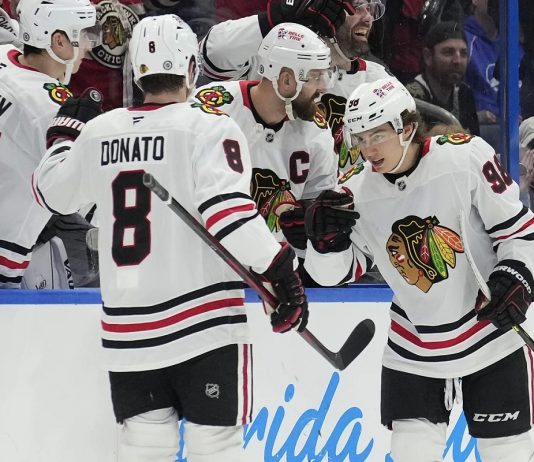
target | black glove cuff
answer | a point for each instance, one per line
(517, 272)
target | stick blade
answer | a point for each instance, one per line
(358, 340)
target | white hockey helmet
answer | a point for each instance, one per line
(375, 103)
(39, 19)
(164, 45)
(293, 46)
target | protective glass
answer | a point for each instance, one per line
(367, 141)
(321, 77)
(374, 7)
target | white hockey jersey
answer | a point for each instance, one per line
(290, 161)
(28, 102)
(229, 53)
(411, 228)
(167, 297)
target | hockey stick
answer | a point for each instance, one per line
(482, 283)
(353, 346)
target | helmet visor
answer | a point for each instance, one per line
(324, 78)
(91, 37)
(361, 7)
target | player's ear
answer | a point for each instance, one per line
(287, 84)
(59, 44)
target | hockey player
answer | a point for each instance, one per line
(229, 50)
(174, 321)
(56, 35)
(291, 148)
(425, 205)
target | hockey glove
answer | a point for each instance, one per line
(511, 286)
(322, 16)
(292, 311)
(292, 225)
(73, 115)
(328, 226)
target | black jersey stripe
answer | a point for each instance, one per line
(410, 355)
(156, 341)
(526, 237)
(508, 223)
(221, 198)
(233, 226)
(12, 247)
(207, 61)
(7, 279)
(137, 310)
(421, 329)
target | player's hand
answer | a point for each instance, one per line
(73, 115)
(511, 286)
(322, 16)
(329, 222)
(292, 311)
(292, 225)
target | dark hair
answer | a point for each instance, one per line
(411, 118)
(161, 83)
(444, 31)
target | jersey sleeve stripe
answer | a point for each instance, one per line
(508, 223)
(227, 212)
(12, 247)
(6, 262)
(522, 228)
(232, 227)
(178, 317)
(221, 198)
(7, 279)
(39, 195)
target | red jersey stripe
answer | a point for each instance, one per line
(13, 264)
(224, 213)
(407, 335)
(526, 225)
(195, 311)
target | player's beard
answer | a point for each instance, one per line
(305, 109)
(350, 47)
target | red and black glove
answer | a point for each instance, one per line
(292, 311)
(329, 222)
(510, 285)
(322, 16)
(73, 115)
(292, 225)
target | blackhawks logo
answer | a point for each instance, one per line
(350, 173)
(422, 249)
(210, 99)
(455, 138)
(272, 195)
(117, 21)
(57, 93)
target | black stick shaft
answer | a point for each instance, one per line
(253, 281)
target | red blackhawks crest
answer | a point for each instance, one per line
(57, 93)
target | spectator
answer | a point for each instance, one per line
(526, 142)
(482, 32)
(441, 83)
(405, 24)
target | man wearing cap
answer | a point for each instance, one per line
(441, 83)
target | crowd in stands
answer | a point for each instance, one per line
(446, 52)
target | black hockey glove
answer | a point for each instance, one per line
(292, 225)
(73, 115)
(328, 226)
(292, 312)
(511, 286)
(322, 16)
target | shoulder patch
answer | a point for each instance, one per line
(455, 138)
(350, 173)
(211, 99)
(57, 93)
(320, 120)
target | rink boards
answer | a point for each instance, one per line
(54, 394)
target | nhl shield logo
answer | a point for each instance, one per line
(212, 390)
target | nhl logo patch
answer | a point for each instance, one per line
(212, 390)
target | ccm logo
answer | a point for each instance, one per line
(496, 417)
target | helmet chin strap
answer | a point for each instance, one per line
(69, 63)
(405, 145)
(287, 101)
